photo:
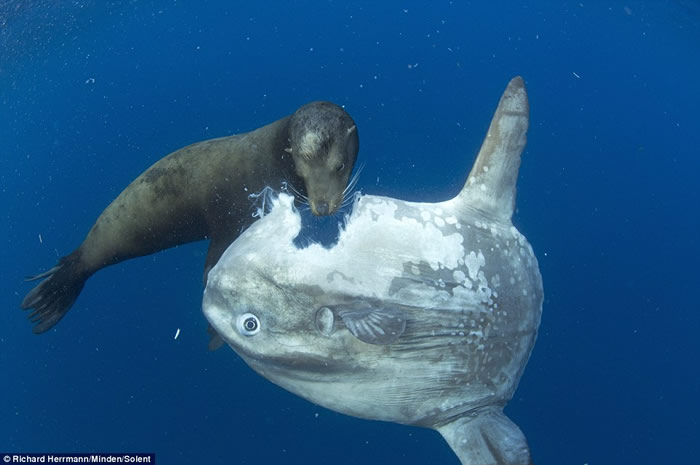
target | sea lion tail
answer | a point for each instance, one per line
(489, 438)
(55, 295)
(490, 186)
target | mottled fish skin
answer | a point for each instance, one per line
(422, 313)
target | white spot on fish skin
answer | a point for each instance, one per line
(438, 211)
(474, 262)
(425, 215)
(486, 169)
(439, 222)
(415, 270)
(482, 187)
(459, 276)
(452, 220)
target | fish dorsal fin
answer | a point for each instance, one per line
(373, 324)
(490, 187)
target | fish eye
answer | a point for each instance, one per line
(248, 324)
(341, 167)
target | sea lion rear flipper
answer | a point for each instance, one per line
(489, 438)
(55, 295)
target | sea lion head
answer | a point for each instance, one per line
(323, 143)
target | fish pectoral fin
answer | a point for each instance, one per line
(371, 323)
(489, 437)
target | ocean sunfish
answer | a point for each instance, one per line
(422, 313)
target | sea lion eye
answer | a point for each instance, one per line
(248, 324)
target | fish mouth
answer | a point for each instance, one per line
(297, 366)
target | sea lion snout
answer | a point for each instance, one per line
(325, 193)
(320, 208)
(325, 186)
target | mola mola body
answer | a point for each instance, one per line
(422, 313)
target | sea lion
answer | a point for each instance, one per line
(423, 314)
(202, 192)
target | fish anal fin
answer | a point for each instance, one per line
(488, 438)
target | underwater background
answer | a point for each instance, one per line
(93, 92)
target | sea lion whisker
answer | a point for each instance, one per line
(349, 193)
(347, 203)
(350, 199)
(353, 181)
(304, 206)
(289, 186)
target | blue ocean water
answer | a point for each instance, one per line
(92, 93)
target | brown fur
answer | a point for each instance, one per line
(201, 192)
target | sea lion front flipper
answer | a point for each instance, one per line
(217, 247)
(487, 438)
(54, 296)
(373, 324)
